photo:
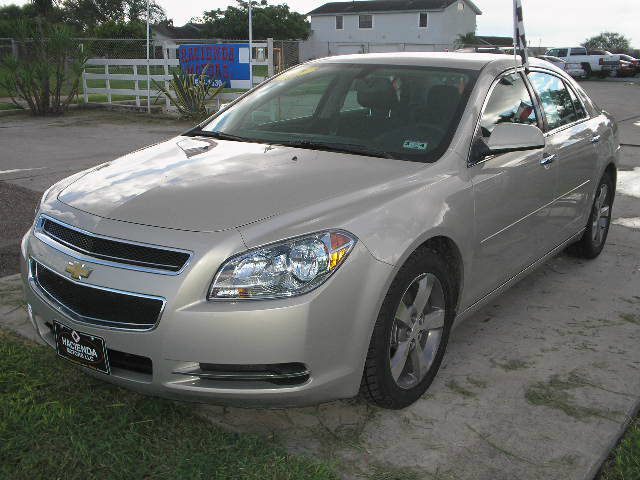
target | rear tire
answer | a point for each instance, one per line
(595, 236)
(405, 352)
(587, 70)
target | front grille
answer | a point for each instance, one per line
(97, 305)
(115, 250)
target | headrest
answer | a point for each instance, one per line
(376, 93)
(440, 94)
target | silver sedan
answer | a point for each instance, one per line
(323, 234)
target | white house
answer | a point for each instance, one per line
(388, 25)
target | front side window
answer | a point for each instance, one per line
(555, 99)
(365, 21)
(561, 52)
(424, 20)
(339, 22)
(510, 102)
(391, 111)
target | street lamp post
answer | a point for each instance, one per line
(148, 69)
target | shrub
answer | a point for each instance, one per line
(45, 73)
(191, 93)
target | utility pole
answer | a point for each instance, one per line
(250, 47)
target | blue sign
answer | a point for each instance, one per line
(228, 63)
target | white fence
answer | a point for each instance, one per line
(123, 76)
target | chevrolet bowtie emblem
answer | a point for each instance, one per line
(78, 270)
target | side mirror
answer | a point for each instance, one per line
(515, 137)
(505, 138)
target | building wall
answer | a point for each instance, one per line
(390, 31)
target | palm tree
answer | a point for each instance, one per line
(466, 39)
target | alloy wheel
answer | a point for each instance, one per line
(417, 330)
(601, 215)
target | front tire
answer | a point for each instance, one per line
(411, 333)
(595, 235)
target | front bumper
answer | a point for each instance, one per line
(326, 330)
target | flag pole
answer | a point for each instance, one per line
(250, 47)
(148, 71)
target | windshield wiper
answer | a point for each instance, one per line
(198, 132)
(354, 148)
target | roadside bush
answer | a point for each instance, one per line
(190, 93)
(45, 73)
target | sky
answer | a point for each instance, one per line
(547, 22)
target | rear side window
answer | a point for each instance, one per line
(555, 99)
(578, 51)
(510, 102)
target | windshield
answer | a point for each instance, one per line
(400, 112)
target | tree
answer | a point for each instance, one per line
(275, 21)
(611, 41)
(87, 15)
(466, 39)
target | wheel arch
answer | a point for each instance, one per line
(612, 170)
(450, 250)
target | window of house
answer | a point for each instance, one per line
(510, 102)
(424, 20)
(461, 6)
(365, 21)
(555, 99)
(339, 22)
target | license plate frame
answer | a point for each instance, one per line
(84, 349)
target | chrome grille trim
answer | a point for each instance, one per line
(84, 255)
(79, 318)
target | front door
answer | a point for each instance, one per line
(513, 193)
(571, 137)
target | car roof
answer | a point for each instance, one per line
(469, 61)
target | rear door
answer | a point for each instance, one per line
(570, 136)
(512, 192)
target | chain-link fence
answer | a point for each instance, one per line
(7, 47)
(286, 54)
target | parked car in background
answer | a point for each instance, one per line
(632, 60)
(573, 69)
(592, 62)
(488, 49)
(322, 234)
(625, 69)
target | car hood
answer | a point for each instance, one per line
(205, 185)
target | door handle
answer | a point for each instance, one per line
(548, 159)
(595, 139)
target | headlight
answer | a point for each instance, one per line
(284, 269)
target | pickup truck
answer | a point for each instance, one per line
(601, 63)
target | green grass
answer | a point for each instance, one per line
(56, 422)
(624, 461)
(8, 106)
